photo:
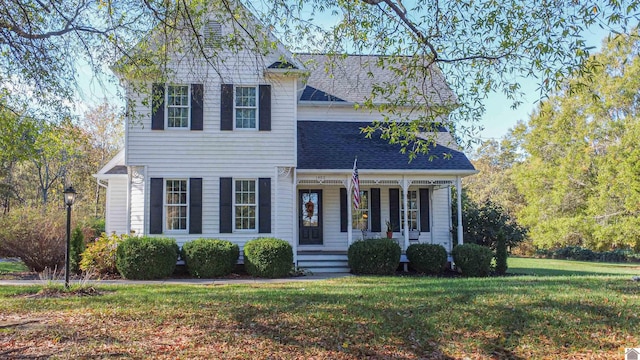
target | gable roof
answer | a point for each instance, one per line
(312, 94)
(332, 145)
(353, 77)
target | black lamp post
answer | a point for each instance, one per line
(69, 198)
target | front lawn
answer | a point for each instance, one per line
(515, 317)
(551, 267)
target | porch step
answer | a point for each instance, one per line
(323, 263)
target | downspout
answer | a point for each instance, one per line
(100, 183)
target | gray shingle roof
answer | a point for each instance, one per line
(334, 145)
(353, 77)
(312, 94)
(117, 170)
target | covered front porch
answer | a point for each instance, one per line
(328, 223)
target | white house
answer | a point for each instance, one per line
(266, 148)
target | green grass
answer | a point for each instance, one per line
(515, 317)
(551, 267)
(7, 267)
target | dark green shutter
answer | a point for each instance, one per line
(264, 203)
(157, 107)
(376, 226)
(226, 107)
(343, 210)
(424, 210)
(394, 208)
(226, 205)
(265, 108)
(197, 106)
(195, 206)
(155, 205)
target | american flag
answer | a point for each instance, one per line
(356, 185)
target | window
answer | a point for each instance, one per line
(245, 204)
(176, 205)
(360, 217)
(412, 204)
(177, 106)
(245, 107)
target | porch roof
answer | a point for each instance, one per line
(324, 145)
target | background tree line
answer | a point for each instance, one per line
(571, 173)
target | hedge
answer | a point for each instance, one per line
(268, 257)
(374, 257)
(208, 258)
(147, 258)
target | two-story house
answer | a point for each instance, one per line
(267, 148)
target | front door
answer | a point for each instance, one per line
(310, 217)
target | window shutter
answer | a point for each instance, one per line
(155, 205)
(157, 107)
(424, 210)
(226, 205)
(265, 108)
(375, 210)
(344, 223)
(394, 208)
(195, 206)
(197, 106)
(226, 107)
(264, 204)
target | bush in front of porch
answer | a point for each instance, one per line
(209, 258)
(374, 257)
(268, 257)
(427, 258)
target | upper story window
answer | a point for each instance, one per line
(412, 212)
(178, 106)
(246, 109)
(245, 204)
(360, 217)
(176, 204)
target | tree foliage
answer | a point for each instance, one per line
(581, 177)
(480, 47)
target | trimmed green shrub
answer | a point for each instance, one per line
(472, 259)
(76, 249)
(501, 255)
(268, 257)
(374, 257)
(208, 258)
(100, 255)
(427, 258)
(146, 257)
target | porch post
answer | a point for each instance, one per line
(405, 217)
(349, 217)
(459, 205)
(296, 228)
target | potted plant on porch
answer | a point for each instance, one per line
(389, 229)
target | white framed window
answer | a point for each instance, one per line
(178, 106)
(360, 217)
(245, 204)
(245, 107)
(412, 205)
(176, 206)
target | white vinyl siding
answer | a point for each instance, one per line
(116, 206)
(178, 106)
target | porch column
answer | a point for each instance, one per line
(349, 187)
(459, 205)
(405, 217)
(294, 216)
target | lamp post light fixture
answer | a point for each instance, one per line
(69, 198)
